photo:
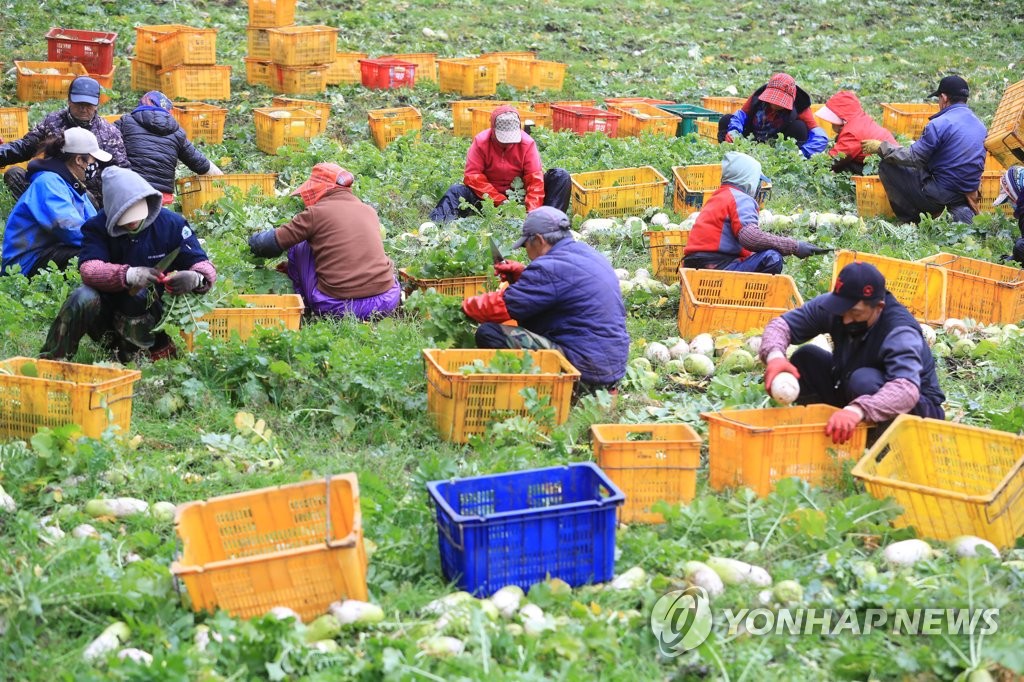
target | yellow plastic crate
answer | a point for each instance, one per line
(387, 125)
(426, 64)
(535, 73)
(345, 68)
(735, 302)
(981, 291)
(707, 130)
(298, 545)
(723, 105)
(1005, 139)
(303, 45)
(990, 189)
(758, 448)
(147, 42)
(322, 109)
(259, 43)
(280, 126)
(111, 118)
(62, 393)
(196, 83)
(907, 118)
(258, 72)
(468, 77)
(695, 184)
(145, 77)
(501, 59)
(640, 117)
(298, 80)
(265, 311)
(106, 81)
(618, 192)
(481, 118)
(464, 287)
(198, 190)
(649, 463)
(919, 287)
(196, 46)
(666, 247)
(271, 13)
(462, 114)
(993, 164)
(13, 123)
(872, 201)
(201, 121)
(34, 86)
(462, 405)
(950, 479)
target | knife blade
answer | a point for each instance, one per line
(496, 252)
(164, 263)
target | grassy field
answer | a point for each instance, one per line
(339, 396)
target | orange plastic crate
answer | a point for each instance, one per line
(469, 77)
(618, 192)
(462, 114)
(907, 118)
(950, 479)
(387, 125)
(298, 545)
(1005, 139)
(259, 43)
(695, 184)
(277, 127)
(660, 465)
(34, 86)
(198, 190)
(707, 130)
(922, 289)
(501, 59)
(723, 105)
(609, 101)
(872, 201)
(258, 72)
(271, 13)
(345, 68)
(990, 189)
(196, 83)
(264, 311)
(197, 46)
(322, 109)
(13, 123)
(387, 74)
(758, 448)
(734, 302)
(481, 118)
(463, 287)
(303, 45)
(201, 121)
(62, 393)
(426, 64)
(981, 291)
(462, 405)
(535, 73)
(147, 45)
(993, 164)
(583, 120)
(640, 117)
(298, 80)
(111, 118)
(93, 49)
(145, 77)
(666, 247)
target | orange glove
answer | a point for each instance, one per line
(774, 367)
(841, 425)
(509, 270)
(489, 307)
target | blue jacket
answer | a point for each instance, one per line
(50, 212)
(952, 149)
(167, 232)
(571, 296)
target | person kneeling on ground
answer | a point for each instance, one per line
(121, 248)
(880, 366)
(568, 299)
(777, 108)
(336, 258)
(726, 235)
(495, 159)
(1011, 189)
(852, 126)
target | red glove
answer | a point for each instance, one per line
(509, 270)
(841, 425)
(728, 137)
(774, 367)
(489, 307)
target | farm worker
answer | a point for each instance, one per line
(1011, 189)
(778, 107)
(45, 224)
(852, 125)
(83, 99)
(566, 299)
(121, 247)
(495, 159)
(726, 235)
(155, 143)
(942, 170)
(336, 258)
(880, 365)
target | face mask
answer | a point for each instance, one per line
(91, 170)
(856, 328)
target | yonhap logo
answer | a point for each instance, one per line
(681, 620)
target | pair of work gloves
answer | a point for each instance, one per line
(490, 307)
(841, 424)
(179, 282)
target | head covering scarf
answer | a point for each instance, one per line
(155, 98)
(324, 177)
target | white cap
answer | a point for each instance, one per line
(134, 213)
(828, 115)
(507, 129)
(81, 141)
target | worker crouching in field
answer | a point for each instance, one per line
(777, 109)
(852, 125)
(568, 299)
(336, 258)
(131, 245)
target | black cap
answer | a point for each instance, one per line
(952, 86)
(858, 281)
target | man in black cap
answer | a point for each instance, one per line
(942, 170)
(880, 365)
(83, 102)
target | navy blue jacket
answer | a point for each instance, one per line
(147, 248)
(951, 149)
(571, 296)
(155, 143)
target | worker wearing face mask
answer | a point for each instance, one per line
(81, 112)
(880, 365)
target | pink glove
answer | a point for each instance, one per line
(728, 137)
(509, 270)
(774, 368)
(841, 425)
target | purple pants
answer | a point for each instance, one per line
(302, 271)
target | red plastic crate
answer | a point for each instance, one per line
(92, 49)
(582, 120)
(385, 74)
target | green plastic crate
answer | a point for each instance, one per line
(688, 115)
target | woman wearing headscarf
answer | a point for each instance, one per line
(1011, 191)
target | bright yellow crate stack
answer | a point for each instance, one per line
(298, 80)
(760, 447)
(1005, 139)
(919, 287)
(201, 121)
(198, 190)
(950, 479)
(298, 545)
(264, 16)
(534, 73)
(481, 117)
(649, 463)
(183, 60)
(258, 72)
(258, 40)
(734, 302)
(462, 114)
(666, 247)
(426, 64)
(462, 405)
(872, 201)
(695, 184)
(501, 59)
(707, 130)
(618, 192)
(303, 45)
(187, 45)
(907, 118)
(470, 77)
(640, 117)
(277, 127)
(387, 125)
(36, 86)
(13, 126)
(46, 393)
(345, 68)
(271, 13)
(322, 109)
(263, 311)
(196, 82)
(463, 287)
(723, 105)
(985, 292)
(145, 77)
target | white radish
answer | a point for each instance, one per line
(699, 365)
(753, 344)
(7, 502)
(785, 388)
(657, 353)
(284, 613)
(907, 552)
(967, 546)
(531, 612)
(735, 572)
(447, 603)
(598, 224)
(163, 511)
(622, 274)
(632, 579)
(442, 645)
(701, 575)
(323, 627)
(507, 600)
(136, 655)
(118, 507)
(928, 333)
(109, 640)
(660, 219)
(703, 344)
(679, 350)
(84, 530)
(354, 611)
(641, 273)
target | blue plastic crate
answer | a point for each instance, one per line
(519, 528)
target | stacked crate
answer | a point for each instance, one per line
(290, 59)
(263, 16)
(180, 61)
(92, 49)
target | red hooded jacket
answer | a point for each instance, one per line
(859, 126)
(492, 166)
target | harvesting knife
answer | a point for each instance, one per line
(496, 252)
(161, 267)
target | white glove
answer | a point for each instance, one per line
(140, 277)
(214, 170)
